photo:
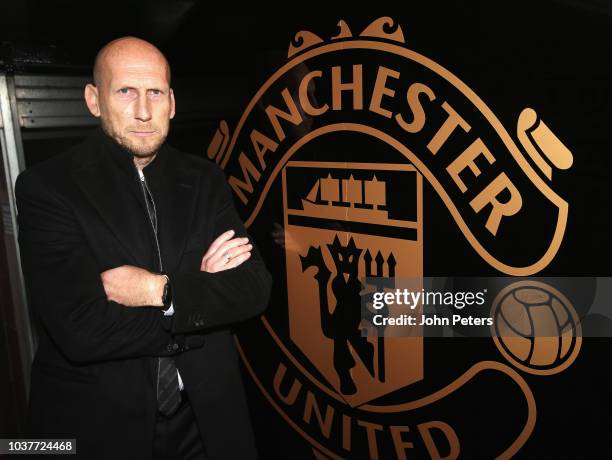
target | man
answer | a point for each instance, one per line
(136, 264)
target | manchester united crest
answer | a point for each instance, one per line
(333, 157)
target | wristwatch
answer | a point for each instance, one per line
(167, 293)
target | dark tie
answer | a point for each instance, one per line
(168, 391)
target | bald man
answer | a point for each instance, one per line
(137, 265)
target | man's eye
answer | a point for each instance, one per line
(124, 90)
(155, 92)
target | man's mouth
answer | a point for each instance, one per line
(143, 133)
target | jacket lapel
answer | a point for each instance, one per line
(177, 202)
(113, 194)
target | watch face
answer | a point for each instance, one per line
(166, 295)
(167, 298)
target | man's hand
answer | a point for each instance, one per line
(225, 253)
(133, 287)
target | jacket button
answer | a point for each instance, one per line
(175, 346)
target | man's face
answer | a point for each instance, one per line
(135, 101)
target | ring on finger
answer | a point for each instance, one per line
(227, 257)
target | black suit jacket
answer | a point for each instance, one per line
(93, 376)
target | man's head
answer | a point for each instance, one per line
(131, 95)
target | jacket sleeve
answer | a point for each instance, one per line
(65, 289)
(207, 300)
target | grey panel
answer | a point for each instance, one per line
(57, 122)
(49, 108)
(45, 101)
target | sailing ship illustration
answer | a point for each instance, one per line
(344, 199)
(356, 200)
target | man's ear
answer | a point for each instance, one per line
(172, 104)
(92, 99)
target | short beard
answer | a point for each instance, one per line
(136, 150)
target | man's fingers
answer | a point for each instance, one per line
(222, 257)
(218, 242)
(219, 253)
(238, 250)
(228, 247)
(234, 262)
(241, 254)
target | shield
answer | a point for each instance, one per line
(342, 225)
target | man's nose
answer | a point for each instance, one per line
(143, 109)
